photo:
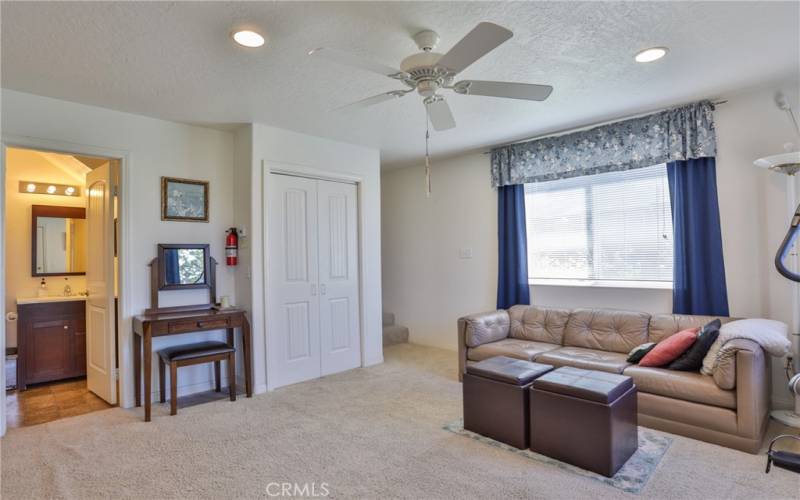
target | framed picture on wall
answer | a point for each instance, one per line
(184, 200)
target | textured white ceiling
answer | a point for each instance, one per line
(176, 61)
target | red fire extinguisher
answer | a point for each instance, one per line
(231, 247)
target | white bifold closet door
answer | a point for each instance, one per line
(312, 295)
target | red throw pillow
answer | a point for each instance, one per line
(669, 349)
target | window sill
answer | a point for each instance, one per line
(644, 285)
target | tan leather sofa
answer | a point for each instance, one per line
(729, 408)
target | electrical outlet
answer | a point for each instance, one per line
(464, 253)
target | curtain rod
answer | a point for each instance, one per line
(586, 127)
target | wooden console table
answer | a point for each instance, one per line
(177, 322)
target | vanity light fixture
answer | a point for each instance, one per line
(651, 54)
(247, 38)
(29, 187)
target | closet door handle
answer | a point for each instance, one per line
(322, 289)
(313, 289)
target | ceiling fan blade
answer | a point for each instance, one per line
(439, 112)
(348, 59)
(527, 91)
(483, 38)
(370, 101)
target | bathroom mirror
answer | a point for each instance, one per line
(58, 241)
(183, 266)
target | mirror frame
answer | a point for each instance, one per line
(52, 211)
(162, 268)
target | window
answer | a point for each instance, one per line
(612, 229)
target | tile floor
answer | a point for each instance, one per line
(47, 402)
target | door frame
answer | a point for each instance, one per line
(297, 170)
(124, 345)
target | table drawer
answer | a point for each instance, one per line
(198, 325)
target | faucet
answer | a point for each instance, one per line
(67, 288)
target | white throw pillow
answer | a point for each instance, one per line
(771, 335)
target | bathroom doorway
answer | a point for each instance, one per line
(61, 284)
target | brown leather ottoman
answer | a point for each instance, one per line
(585, 418)
(496, 393)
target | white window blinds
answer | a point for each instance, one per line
(615, 226)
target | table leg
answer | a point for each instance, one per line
(248, 363)
(137, 368)
(148, 371)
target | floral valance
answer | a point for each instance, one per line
(675, 134)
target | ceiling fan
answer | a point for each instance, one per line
(428, 72)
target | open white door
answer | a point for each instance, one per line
(100, 318)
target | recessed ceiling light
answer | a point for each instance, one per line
(51, 189)
(248, 38)
(69, 191)
(651, 54)
(30, 187)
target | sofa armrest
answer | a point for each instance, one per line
(479, 329)
(752, 386)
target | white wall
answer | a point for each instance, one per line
(304, 153)
(27, 165)
(154, 148)
(428, 287)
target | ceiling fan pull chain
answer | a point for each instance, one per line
(427, 156)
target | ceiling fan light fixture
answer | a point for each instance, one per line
(248, 38)
(651, 54)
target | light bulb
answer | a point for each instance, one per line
(51, 189)
(247, 38)
(651, 54)
(30, 188)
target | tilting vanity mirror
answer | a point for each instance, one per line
(58, 241)
(183, 266)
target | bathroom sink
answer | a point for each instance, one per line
(49, 298)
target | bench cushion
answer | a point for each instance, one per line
(590, 385)
(196, 350)
(509, 370)
(514, 348)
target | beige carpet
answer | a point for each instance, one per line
(368, 433)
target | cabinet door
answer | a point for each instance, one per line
(49, 351)
(79, 346)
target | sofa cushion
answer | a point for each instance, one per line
(540, 324)
(670, 349)
(606, 329)
(589, 359)
(688, 386)
(513, 348)
(486, 327)
(640, 351)
(664, 325)
(692, 359)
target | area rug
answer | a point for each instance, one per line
(631, 478)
